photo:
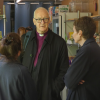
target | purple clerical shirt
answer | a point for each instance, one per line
(40, 40)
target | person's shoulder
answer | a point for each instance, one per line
(23, 71)
(12, 68)
(85, 49)
(16, 67)
(20, 66)
(19, 71)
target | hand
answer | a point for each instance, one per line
(81, 82)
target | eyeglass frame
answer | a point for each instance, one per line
(42, 19)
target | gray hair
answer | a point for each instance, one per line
(38, 9)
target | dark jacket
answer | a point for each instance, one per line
(85, 66)
(15, 82)
(51, 66)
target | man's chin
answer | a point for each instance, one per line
(43, 30)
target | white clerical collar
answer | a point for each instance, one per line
(41, 35)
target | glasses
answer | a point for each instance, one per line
(40, 20)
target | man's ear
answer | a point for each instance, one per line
(80, 32)
(34, 21)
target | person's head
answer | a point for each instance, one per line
(29, 29)
(10, 46)
(41, 20)
(21, 31)
(84, 28)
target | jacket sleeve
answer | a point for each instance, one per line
(63, 64)
(78, 69)
(27, 87)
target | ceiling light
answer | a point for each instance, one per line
(10, 3)
(47, 3)
(34, 3)
(21, 3)
(18, 1)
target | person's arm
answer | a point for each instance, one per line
(27, 87)
(78, 69)
(63, 64)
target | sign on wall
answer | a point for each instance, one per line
(1, 7)
(63, 8)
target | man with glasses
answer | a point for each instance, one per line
(46, 57)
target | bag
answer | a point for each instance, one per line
(26, 39)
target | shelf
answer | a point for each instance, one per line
(96, 18)
(55, 17)
(69, 20)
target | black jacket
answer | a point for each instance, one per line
(85, 66)
(15, 82)
(51, 66)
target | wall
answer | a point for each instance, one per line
(91, 5)
(66, 2)
(91, 8)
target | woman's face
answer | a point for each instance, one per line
(76, 35)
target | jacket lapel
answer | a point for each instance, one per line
(47, 40)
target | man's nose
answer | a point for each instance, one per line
(42, 21)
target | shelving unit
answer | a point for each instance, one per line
(96, 17)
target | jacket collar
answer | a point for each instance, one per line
(50, 36)
(3, 58)
(33, 34)
(47, 39)
(89, 41)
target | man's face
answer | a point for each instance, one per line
(41, 25)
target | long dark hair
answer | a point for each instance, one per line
(10, 46)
